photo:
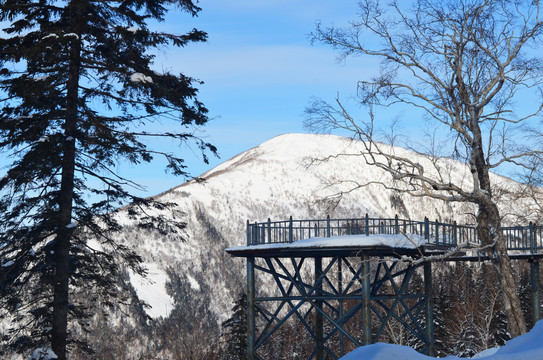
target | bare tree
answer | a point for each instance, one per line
(465, 65)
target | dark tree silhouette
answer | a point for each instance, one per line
(78, 93)
(235, 331)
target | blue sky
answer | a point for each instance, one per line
(260, 71)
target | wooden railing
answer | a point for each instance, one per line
(519, 238)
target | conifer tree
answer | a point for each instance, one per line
(78, 93)
(235, 331)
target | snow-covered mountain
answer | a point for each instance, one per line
(280, 178)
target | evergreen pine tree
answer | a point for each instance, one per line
(524, 290)
(467, 345)
(235, 331)
(77, 93)
(444, 301)
(415, 286)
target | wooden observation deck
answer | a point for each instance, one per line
(345, 280)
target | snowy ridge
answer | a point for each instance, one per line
(280, 178)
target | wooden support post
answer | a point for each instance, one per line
(367, 225)
(535, 290)
(429, 308)
(319, 330)
(251, 314)
(366, 301)
(340, 292)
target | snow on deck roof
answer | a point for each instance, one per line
(399, 241)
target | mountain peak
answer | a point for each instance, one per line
(299, 175)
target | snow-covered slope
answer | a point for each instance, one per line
(282, 177)
(525, 347)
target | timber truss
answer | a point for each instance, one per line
(341, 302)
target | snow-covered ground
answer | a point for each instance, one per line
(152, 290)
(525, 347)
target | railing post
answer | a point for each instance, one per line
(367, 225)
(396, 225)
(455, 234)
(269, 231)
(327, 225)
(426, 229)
(248, 233)
(532, 247)
(290, 234)
(537, 231)
(256, 234)
(437, 232)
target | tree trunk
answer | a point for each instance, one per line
(490, 233)
(59, 332)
